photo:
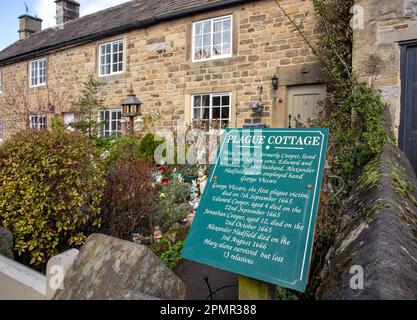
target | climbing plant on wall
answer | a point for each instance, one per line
(354, 113)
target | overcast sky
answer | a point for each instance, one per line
(44, 9)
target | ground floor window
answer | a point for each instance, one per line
(212, 108)
(37, 122)
(111, 121)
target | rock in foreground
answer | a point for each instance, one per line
(6, 243)
(113, 269)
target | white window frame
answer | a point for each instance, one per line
(212, 95)
(212, 57)
(37, 75)
(111, 43)
(35, 121)
(111, 132)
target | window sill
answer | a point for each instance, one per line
(38, 86)
(109, 76)
(212, 59)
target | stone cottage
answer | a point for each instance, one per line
(385, 55)
(187, 60)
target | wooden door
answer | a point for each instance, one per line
(303, 103)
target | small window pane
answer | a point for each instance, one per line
(226, 100)
(206, 52)
(216, 101)
(198, 28)
(226, 37)
(198, 41)
(225, 113)
(227, 24)
(207, 40)
(217, 51)
(206, 100)
(197, 101)
(218, 26)
(198, 54)
(206, 113)
(207, 27)
(197, 113)
(217, 38)
(216, 113)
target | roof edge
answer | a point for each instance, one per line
(119, 30)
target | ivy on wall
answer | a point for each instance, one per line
(354, 113)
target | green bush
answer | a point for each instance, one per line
(172, 257)
(51, 186)
(148, 145)
(124, 149)
(104, 143)
(171, 206)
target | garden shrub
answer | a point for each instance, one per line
(104, 143)
(51, 184)
(353, 113)
(172, 257)
(127, 199)
(125, 148)
(149, 144)
(172, 205)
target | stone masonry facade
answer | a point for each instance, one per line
(380, 27)
(158, 64)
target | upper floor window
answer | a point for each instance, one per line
(111, 122)
(37, 73)
(111, 58)
(212, 39)
(208, 108)
(37, 122)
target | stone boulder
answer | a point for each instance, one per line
(112, 269)
(6, 243)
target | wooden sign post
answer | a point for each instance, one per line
(258, 212)
(251, 289)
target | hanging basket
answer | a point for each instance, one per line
(257, 107)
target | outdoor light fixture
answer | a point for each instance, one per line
(275, 82)
(131, 108)
(275, 86)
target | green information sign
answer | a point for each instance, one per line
(258, 212)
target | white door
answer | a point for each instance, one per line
(303, 103)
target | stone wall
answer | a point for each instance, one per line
(158, 65)
(378, 235)
(379, 26)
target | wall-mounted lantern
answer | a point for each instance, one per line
(131, 108)
(275, 86)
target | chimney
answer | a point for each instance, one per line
(28, 25)
(66, 10)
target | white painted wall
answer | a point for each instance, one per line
(18, 282)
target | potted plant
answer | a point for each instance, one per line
(257, 107)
